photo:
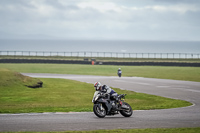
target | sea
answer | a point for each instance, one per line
(122, 48)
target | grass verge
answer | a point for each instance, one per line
(62, 95)
(176, 73)
(156, 130)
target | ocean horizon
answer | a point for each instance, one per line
(101, 46)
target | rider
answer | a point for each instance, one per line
(105, 89)
(119, 72)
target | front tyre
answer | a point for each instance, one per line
(99, 110)
(128, 112)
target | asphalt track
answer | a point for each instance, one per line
(165, 118)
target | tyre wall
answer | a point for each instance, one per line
(100, 63)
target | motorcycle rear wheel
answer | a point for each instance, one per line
(127, 113)
(100, 112)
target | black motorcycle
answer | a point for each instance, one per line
(104, 105)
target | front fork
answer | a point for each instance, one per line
(100, 107)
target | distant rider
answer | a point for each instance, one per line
(119, 72)
(105, 89)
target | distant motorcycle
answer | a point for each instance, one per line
(111, 106)
(119, 72)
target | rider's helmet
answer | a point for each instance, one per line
(119, 69)
(97, 86)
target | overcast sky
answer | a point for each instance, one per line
(100, 19)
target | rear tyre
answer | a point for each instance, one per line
(99, 110)
(128, 112)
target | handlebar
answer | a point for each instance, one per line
(121, 95)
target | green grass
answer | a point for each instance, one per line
(157, 130)
(177, 73)
(56, 95)
(9, 78)
(62, 95)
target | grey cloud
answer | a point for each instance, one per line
(193, 18)
(56, 4)
(16, 3)
(135, 20)
(178, 1)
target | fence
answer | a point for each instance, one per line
(102, 54)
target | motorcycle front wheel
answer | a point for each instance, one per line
(128, 112)
(99, 110)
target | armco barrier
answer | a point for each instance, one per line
(100, 63)
(152, 64)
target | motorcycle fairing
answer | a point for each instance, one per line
(108, 105)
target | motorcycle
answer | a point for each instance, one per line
(103, 105)
(119, 74)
